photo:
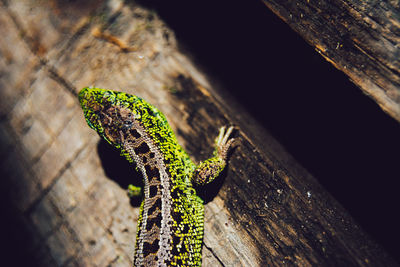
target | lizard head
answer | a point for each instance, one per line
(116, 117)
(112, 114)
(108, 113)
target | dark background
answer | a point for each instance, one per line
(335, 131)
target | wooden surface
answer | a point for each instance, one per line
(360, 38)
(67, 190)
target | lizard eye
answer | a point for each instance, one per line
(128, 124)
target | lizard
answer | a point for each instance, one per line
(171, 218)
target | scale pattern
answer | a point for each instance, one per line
(170, 226)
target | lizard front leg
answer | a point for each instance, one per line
(134, 191)
(209, 169)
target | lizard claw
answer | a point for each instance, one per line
(223, 142)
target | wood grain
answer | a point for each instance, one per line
(67, 189)
(360, 38)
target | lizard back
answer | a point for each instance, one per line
(170, 225)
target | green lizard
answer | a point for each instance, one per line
(170, 225)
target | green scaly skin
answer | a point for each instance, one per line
(170, 225)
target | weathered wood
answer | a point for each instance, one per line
(70, 201)
(360, 38)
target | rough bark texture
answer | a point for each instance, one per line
(67, 188)
(360, 38)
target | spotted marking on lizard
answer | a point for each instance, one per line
(170, 225)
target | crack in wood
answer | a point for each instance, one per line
(212, 252)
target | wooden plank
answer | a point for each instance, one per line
(360, 38)
(67, 190)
